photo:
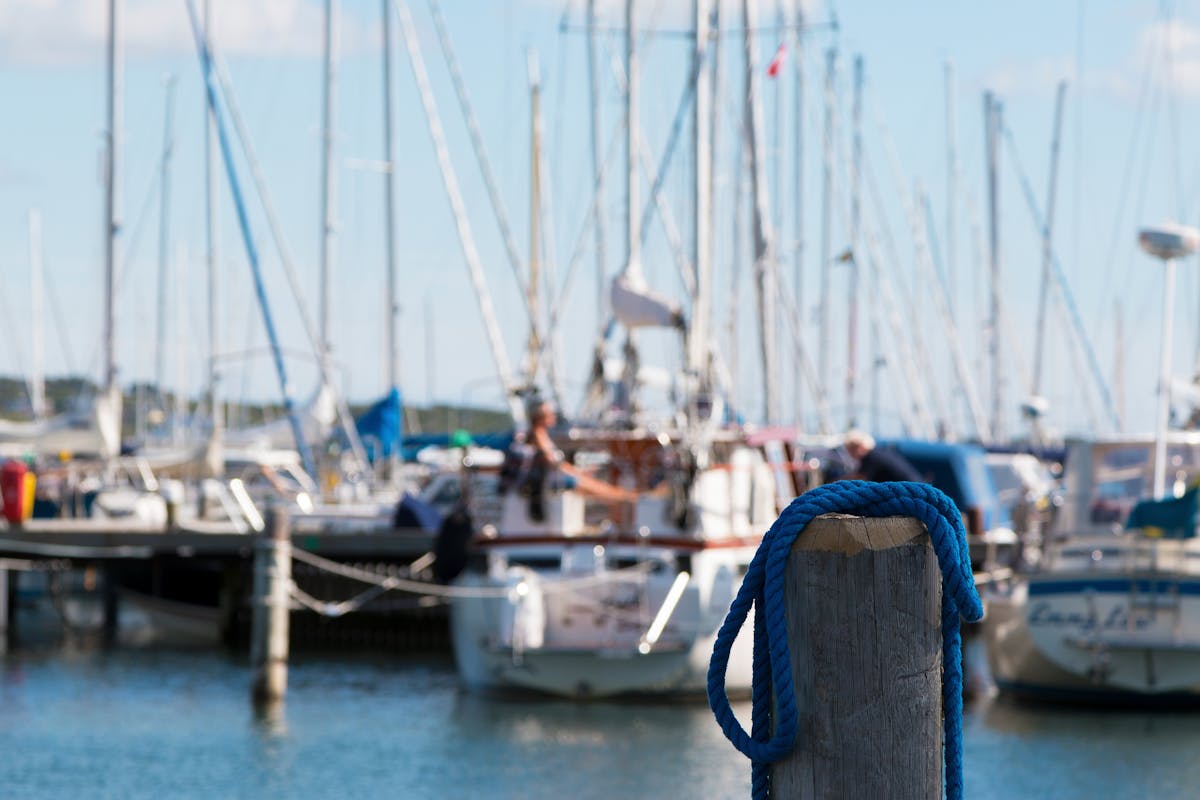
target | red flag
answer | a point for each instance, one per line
(777, 62)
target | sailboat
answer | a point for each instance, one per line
(1111, 611)
(566, 594)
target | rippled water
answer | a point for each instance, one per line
(153, 724)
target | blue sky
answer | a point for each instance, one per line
(1130, 113)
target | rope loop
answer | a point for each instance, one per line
(763, 589)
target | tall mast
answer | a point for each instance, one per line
(951, 182)
(1119, 363)
(825, 343)
(37, 376)
(715, 117)
(1048, 243)
(633, 265)
(213, 459)
(391, 308)
(327, 172)
(111, 197)
(852, 264)
(633, 245)
(535, 214)
(465, 236)
(701, 254)
(763, 248)
(164, 241)
(798, 171)
(992, 130)
(597, 159)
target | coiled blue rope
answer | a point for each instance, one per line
(763, 588)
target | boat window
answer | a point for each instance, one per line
(632, 563)
(543, 563)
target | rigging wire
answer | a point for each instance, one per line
(1119, 230)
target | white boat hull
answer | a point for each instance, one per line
(599, 658)
(1084, 635)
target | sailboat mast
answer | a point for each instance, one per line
(701, 172)
(992, 129)
(798, 172)
(37, 376)
(327, 172)
(763, 250)
(823, 334)
(214, 461)
(535, 214)
(633, 245)
(1119, 363)
(597, 159)
(389, 199)
(1047, 242)
(462, 224)
(164, 240)
(111, 197)
(852, 264)
(951, 182)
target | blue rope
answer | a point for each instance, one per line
(763, 588)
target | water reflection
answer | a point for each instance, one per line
(615, 749)
(270, 719)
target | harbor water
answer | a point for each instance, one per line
(126, 723)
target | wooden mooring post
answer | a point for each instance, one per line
(863, 599)
(269, 622)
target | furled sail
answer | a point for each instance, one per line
(636, 305)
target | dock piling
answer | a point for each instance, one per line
(111, 600)
(863, 600)
(269, 624)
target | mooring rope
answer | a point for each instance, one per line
(548, 585)
(763, 587)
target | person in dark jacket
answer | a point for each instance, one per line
(879, 465)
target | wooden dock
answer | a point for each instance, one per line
(209, 566)
(103, 540)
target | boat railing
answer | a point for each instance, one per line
(1125, 552)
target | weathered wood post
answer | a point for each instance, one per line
(863, 599)
(269, 623)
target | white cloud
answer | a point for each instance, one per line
(1176, 49)
(1170, 51)
(1030, 77)
(47, 32)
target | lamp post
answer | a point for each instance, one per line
(1167, 242)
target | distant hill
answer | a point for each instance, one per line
(66, 393)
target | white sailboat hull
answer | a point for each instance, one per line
(584, 643)
(575, 608)
(1123, 633)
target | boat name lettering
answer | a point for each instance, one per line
(1116, 619)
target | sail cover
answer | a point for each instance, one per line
(638, 306)
(379, 427)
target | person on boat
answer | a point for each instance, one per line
(549, 460)
(878, 464)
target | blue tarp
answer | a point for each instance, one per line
(959, 470)
(417, 442)
(1174, 517)
(379, 427)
